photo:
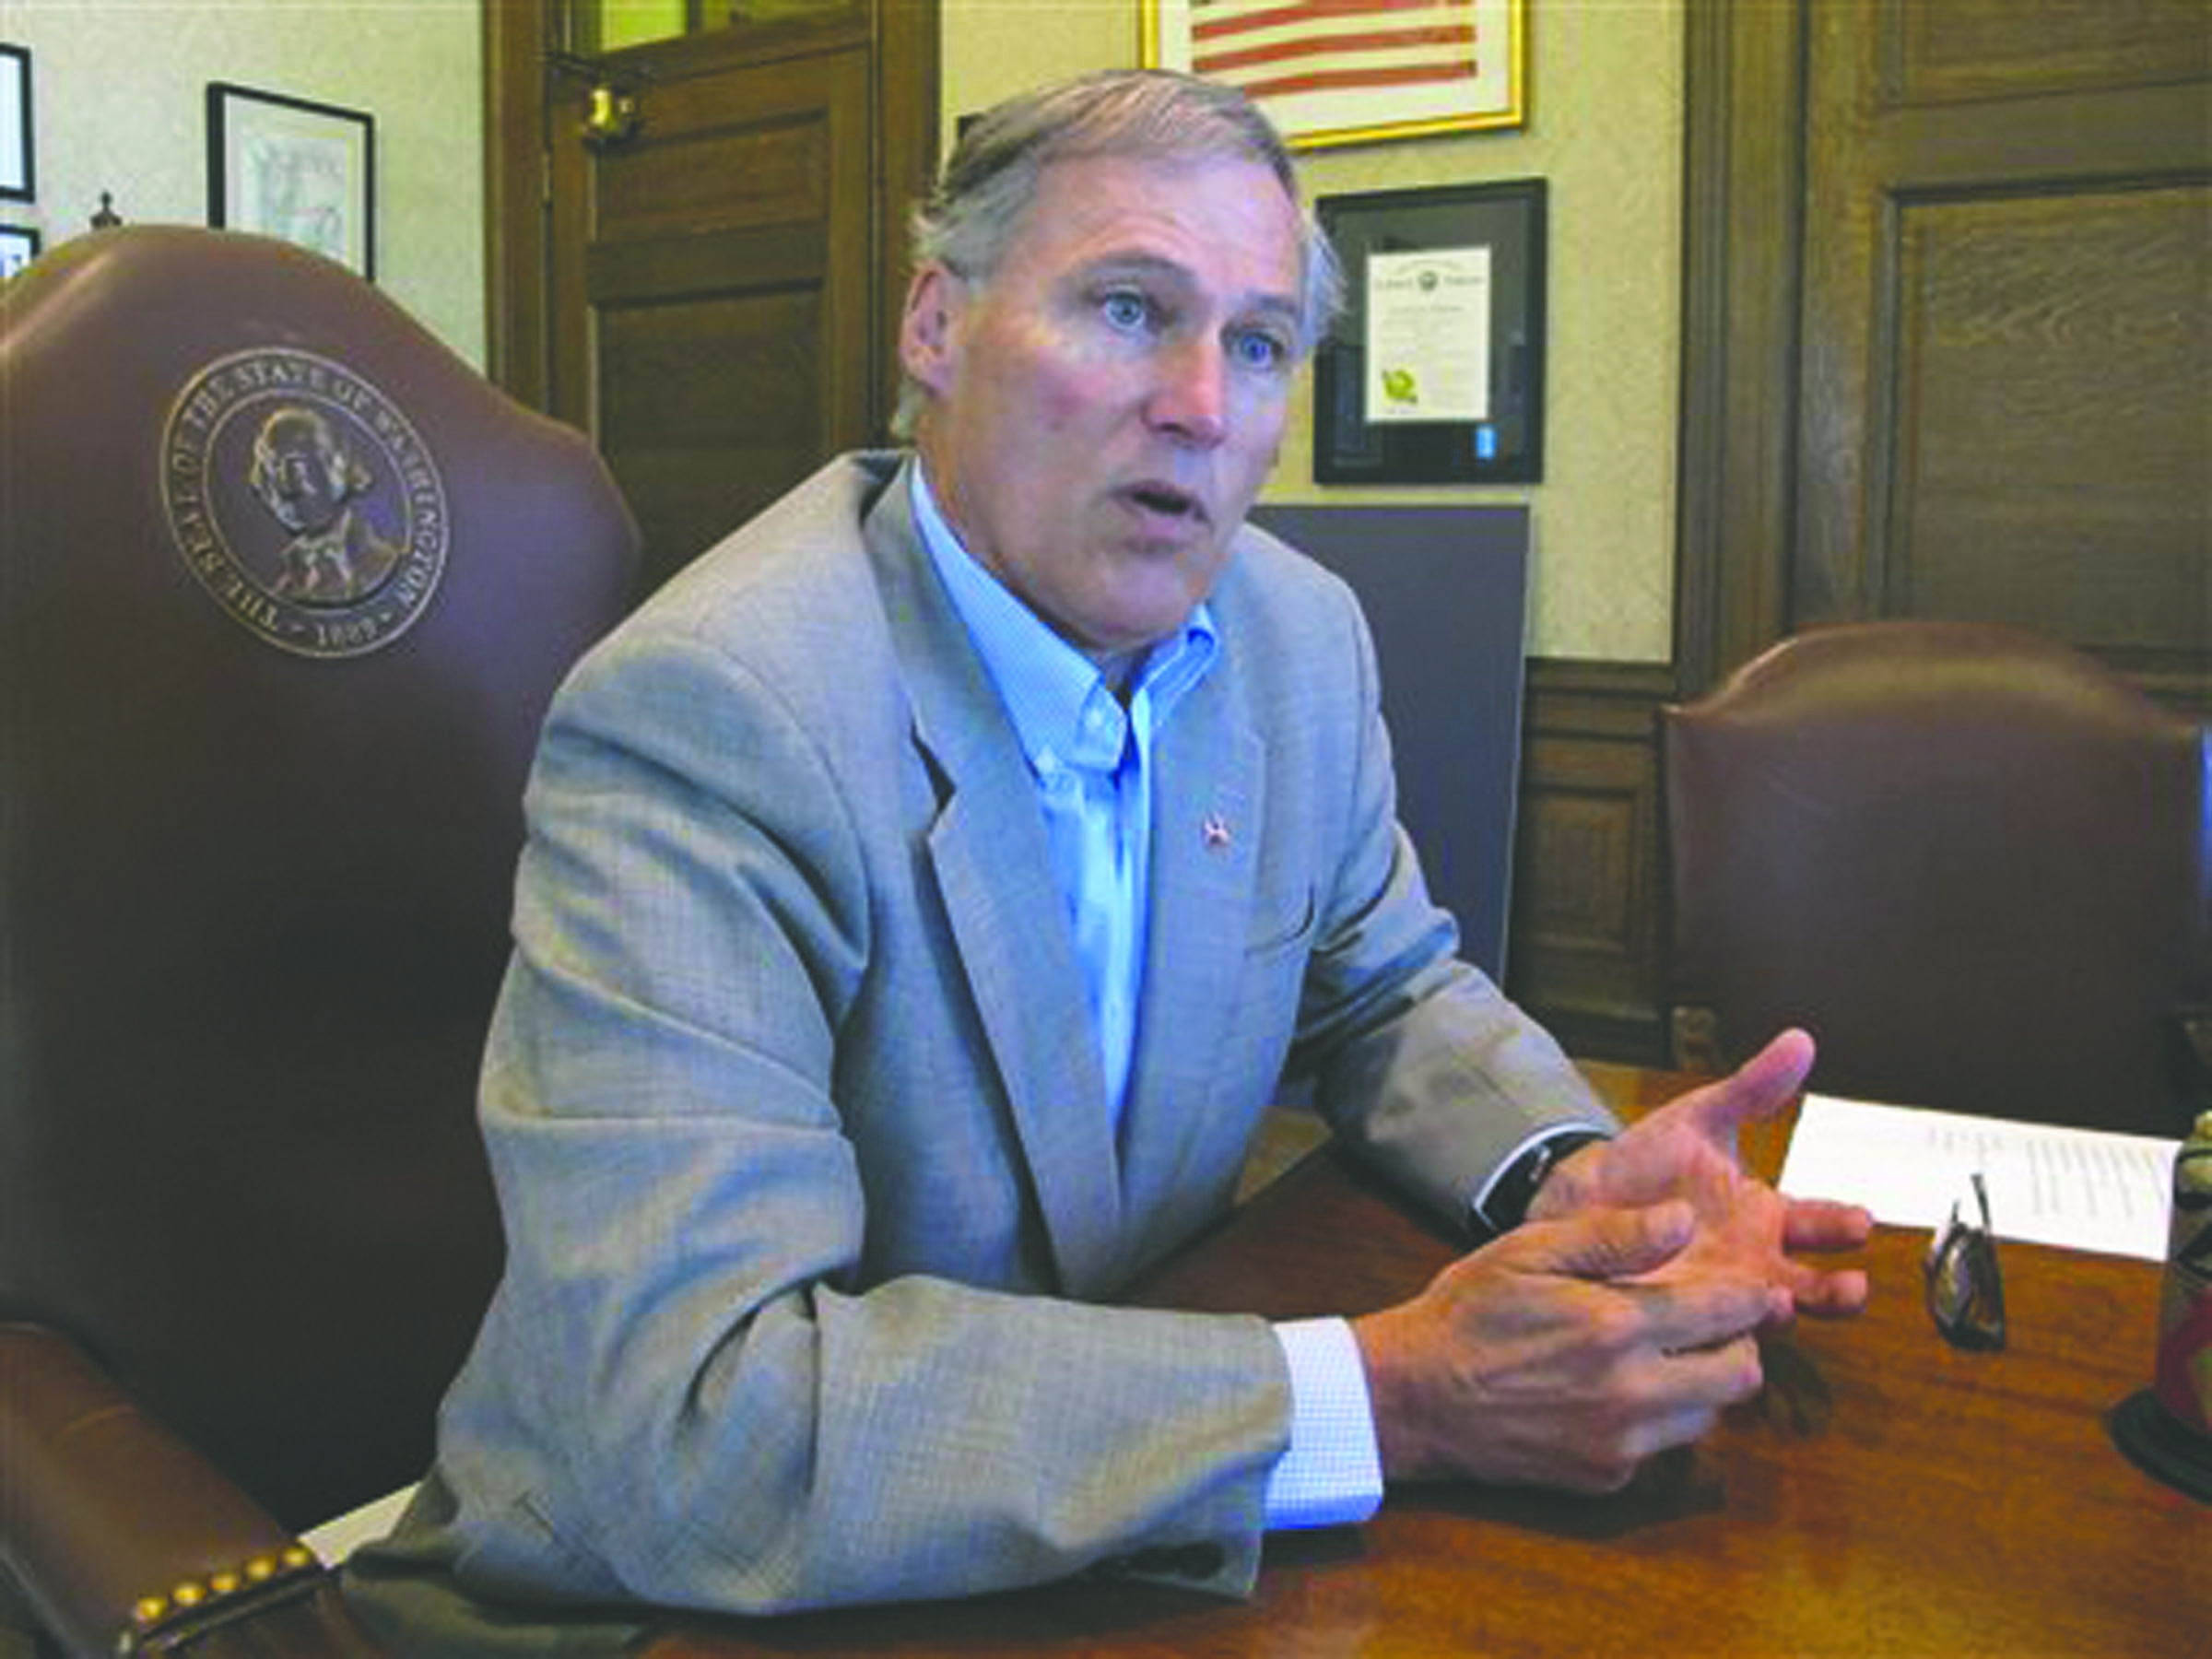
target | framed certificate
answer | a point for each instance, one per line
(1434, 374)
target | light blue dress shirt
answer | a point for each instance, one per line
(1092, 755)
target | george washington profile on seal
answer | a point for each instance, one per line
(304, 501)
(314, 484)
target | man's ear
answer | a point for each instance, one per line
(929, 330)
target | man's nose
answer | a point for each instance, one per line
(1191, 399)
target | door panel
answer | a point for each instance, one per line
(713, 345)
(2051, 450)
(1938, 50)
(2005, 336)
(680, 429)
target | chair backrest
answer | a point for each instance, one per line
(285, 587)
(1972, 861)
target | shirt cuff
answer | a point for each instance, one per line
(1332, 1475)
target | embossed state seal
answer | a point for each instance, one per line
(304, 501)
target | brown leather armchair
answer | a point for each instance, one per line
(285, 587)
(1972, 861)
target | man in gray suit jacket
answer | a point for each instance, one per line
(926, 893)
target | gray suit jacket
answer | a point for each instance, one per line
(795, 1103)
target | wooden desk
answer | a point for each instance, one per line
(1889, 1495)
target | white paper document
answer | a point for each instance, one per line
(1429, 335)
(2084, 1189)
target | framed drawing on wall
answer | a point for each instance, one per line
(1434, 372)
(284, 167)
(17, 179)
(1327, 72)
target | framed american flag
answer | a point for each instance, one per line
(1348, 71)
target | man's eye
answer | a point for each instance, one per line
(1258, 348)
(1124, 309)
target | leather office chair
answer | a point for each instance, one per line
(1971, 861)
(285, 587)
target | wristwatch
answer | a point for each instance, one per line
(1506, 1204)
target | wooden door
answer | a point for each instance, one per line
(1947, 326)
(2006, 341)
(714, 294)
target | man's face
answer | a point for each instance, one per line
(1106, 406)
(300, 479)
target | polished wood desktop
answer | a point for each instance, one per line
(1888, 1495)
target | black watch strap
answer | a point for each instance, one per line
(1505, 1205)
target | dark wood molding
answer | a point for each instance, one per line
(1588, 696)
(515, 38)
(1743, 183)
(908, 78)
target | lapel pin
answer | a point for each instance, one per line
(1215, 832)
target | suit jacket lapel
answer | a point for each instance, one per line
(1209, 769)
(994, 869)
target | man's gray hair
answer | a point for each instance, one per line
(971, 218)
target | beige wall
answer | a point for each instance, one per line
(1605, 129)
(118, 94)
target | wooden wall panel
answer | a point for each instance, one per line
(1584, 953)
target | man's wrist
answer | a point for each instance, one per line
(1511, 1196)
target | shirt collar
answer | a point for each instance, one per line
(1060, 703)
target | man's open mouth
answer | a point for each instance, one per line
(1167, 501)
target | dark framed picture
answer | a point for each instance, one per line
(1434, 374)
(287, 168)
(18, 179)
(19, 247)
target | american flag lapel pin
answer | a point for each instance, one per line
(1214, 832)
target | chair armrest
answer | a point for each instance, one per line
(124, 1539)
(1694, 1040)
